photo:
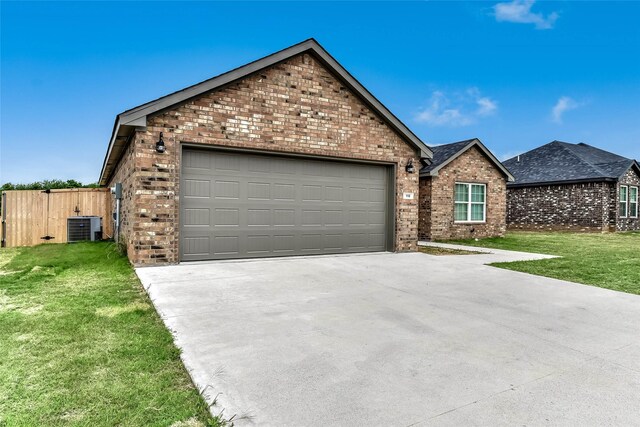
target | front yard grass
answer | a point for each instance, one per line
(80, 344)
(610, 260)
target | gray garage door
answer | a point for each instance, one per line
(239, 205)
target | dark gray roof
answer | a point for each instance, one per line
(558, 162)
(136, 117)
(444, 154)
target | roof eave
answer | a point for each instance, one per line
(561, 182)
(634, 164)
(117, 144)
(137, 116)
(472, 143)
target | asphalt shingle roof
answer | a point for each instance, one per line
(442, 153)
(562, 161)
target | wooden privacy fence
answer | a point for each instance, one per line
(29, 216)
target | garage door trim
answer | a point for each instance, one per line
(390, 167)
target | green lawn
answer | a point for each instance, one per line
(610, 260)
(80, 344)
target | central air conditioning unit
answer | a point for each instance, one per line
(81, 228)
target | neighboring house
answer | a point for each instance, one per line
(287, 155)
(462, 193)
(563, 186)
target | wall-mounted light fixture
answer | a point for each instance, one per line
(410, 168)
(160, 148)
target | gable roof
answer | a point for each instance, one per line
(562, 162)
(445, 154)
(137, 117)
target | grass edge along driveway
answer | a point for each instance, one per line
(606, 260)
(80, 344)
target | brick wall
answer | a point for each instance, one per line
(437, 201)
(296, 106)
(625, 224)
(576, 207)
(125, 173)
(424, 209)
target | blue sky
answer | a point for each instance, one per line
(516, 74)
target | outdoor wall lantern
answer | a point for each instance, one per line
(410, 168)
(160, 148)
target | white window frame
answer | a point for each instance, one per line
(625, 201)
(635, 202)
(469, 203)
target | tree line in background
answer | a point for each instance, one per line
(48, 184)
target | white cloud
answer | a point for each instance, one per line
(563, 105)
(486, 106)
(519, 11)
(461, 109)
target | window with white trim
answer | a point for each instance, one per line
(470, 202)
(624, 193)
(633, 202)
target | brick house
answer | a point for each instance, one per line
(564, 186)
(462, 193)
(287, 155)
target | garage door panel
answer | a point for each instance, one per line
(283, 243)
(195, 161)
(333, 242)
(282, 166)
(378, 195)
(334, 218)
(197, 217)
(359, 172)
(196, 188)
(311, 218)
(195, 246)
(226, 217)
(225, 245)
(377, 240)
(359, 241)
(259, 191)
(227, 162)
(333, 194)
(284, 191)
(284, 217)
(259, 244)
(249, 205)
(224, 189)
(358, 218)
(377, 217)
(311, 193)
(259, 217)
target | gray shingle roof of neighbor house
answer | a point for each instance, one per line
(562, 162)
(136, 117)
(444, 154)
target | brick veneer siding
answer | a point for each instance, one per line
(296, 106)
(576, 207)
(437, 199)
(125, 173)
(631, 178)
(424, 209)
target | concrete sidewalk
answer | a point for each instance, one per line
(489, 255)
(401, 339)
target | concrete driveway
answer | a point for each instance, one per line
(401, 339)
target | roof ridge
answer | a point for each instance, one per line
(136, 117)
(448, 144)
(445, 153)
(139, 107)
(565, 146)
